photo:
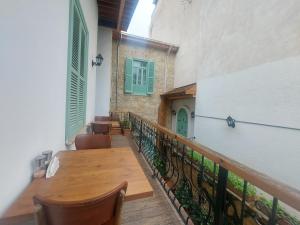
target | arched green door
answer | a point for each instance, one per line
(182, 122)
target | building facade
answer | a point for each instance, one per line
(142, 69)
(245, 58)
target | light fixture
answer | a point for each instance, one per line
(99, 60)
(193, 115)
(173, 112)
(230, 122)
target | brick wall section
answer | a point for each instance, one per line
(143, 105)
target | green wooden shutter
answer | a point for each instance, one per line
(128, 76)
(151, 75)
(77, 72)
(82, 81)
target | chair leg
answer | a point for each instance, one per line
(119, 207)
(39, 216)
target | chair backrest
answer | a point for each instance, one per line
(102, 118)
(92, 141)
(114, 116)
(105, 209)
(100, 128)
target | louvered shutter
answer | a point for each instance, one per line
(82, 81)
(128, 76)
(151, 75)
(77, 73)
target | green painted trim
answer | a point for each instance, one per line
(181, 125)
(70, 133)
(128, 75)
(150, 77)
(70, 40)
(137, 92)
(82, 16)
(86, 72)
(139, 59)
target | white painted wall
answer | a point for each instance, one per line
(178, 22)
(103, 80)
(33, 62)
(189, 106)
(206, 30)
(268, 93)
(244, 56)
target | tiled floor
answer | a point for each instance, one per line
(155, 210)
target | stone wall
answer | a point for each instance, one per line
(146, 106)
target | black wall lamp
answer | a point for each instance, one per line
(99, 60)
(230, 122)
(193, 115)
(173, 112)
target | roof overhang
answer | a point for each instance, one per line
(145, 42)
(116, 14)
(188, 91)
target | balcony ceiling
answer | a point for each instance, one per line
(116, 14)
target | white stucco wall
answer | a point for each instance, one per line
(203, 30)
(189, 106)
(269, 94)
(103, 80)
(178, 22)
(33, 61)
(245, 57)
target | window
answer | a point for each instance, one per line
(139, 77)
(77, 72)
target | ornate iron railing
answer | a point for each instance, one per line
(209, 188)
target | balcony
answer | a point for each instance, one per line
(195, 185)
(206, 187)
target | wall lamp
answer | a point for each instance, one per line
(193, 115)
(173, 112)
(99, 60)
(230, 122)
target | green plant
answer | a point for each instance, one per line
(238, 184)
(184, 195)
(125, 124)
(235, 181)
(280, 212)
(160, 164)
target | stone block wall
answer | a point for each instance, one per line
(147, 106)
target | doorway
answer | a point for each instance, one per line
(182, 122)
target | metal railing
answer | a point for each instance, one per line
(209, 188)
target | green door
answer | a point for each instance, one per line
(182, 122)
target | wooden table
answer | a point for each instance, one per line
(85, 174)
(114, 124)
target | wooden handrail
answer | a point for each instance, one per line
(283, 192)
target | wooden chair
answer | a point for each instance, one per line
(100, 128)
(103, 210)
(102, 118)
(91, 141)
(114, 117)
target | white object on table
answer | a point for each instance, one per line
(53, 167)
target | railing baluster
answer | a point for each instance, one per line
(141, 136)
(214, 182)
(272, 219)
(220, 207)
(243, 202)
(200, 179)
